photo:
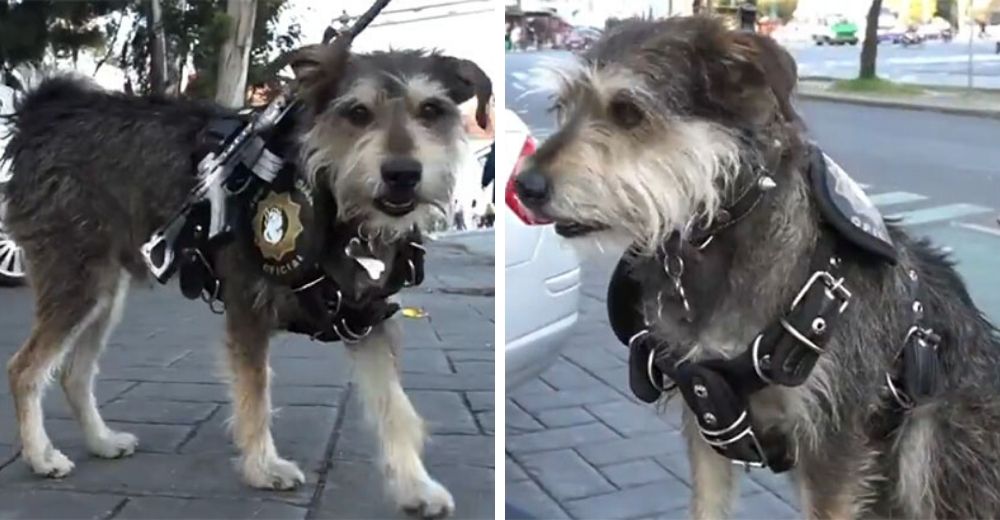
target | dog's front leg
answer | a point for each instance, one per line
(713, 477)
(247, 345)
(399, 428)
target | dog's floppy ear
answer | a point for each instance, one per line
(757, 76)
(319, 69)
(464, 79)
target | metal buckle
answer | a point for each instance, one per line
(834, 289)
(923, 336)
(746, 432)
(798, 336)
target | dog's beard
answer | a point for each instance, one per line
(642, 197)
(356, 182)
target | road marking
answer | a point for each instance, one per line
(895, 197)
(939, 213)
(980, 228)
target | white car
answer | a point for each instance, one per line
(543, 272)
(11, 256)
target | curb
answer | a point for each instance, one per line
(444, 235)
(904, 105)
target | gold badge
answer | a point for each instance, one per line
(277, 225)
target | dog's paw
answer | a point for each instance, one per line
(273, 473)
(113, 445)
(50, 464)
(425, 499)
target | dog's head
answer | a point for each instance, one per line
(655, 124)
(386, 136)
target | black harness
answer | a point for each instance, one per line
(266, 208)
(718, 390)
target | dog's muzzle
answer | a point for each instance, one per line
(534, 190)
(400, 177)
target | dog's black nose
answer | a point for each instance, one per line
(532, 187)
(401, 172)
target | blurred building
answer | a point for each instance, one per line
(595, 12)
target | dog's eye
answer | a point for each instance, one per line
(625, 113)
(358, 115)
(430, 110)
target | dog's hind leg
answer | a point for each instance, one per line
(399, 428)
(247, 349)
(713, 480)
(78, 374)
(64, 310)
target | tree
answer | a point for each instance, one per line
(869, 48)
(31, 30)
(158, 50)
(234, 57)
(196, 31)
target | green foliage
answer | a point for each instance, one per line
(28, 29)
(198, 28)
(783, 9)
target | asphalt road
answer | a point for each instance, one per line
(580, 446)
(934, 63)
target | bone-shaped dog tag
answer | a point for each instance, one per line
(359, 252)
(373, 266)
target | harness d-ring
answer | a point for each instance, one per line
(898, 395)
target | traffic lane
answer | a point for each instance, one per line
(523, 94)
(934, 63)
(948, 157)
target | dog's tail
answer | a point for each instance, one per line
(40, 89)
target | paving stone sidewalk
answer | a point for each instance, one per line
(580, 446)
(159, 380)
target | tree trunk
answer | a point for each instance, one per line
(158, 50)
(869, 48)
(234, 56)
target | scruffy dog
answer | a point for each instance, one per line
(95, 173)
(663, 127)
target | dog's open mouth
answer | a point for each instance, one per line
(395, 205)
(578, 229)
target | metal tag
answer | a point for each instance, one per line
(359, 252)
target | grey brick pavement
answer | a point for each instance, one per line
(580, 446)
(159, 380)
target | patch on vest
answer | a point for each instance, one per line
(846, 207)
(281, 223)
(277, 225)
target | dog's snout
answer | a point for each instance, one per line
(533, 187)
(402, 172)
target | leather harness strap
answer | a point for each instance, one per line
(329, 314)
(785, 353)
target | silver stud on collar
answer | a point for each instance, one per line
(766, 183)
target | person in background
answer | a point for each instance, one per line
(489, 170)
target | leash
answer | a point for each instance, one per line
(785, 353)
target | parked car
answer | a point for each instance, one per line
(581, 38)
(543, 272)
(11, 256)
(836, 31)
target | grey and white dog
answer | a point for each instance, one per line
(95, 173)
(662, 124)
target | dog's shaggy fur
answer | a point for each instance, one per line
(665, 122)
(95, 173)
